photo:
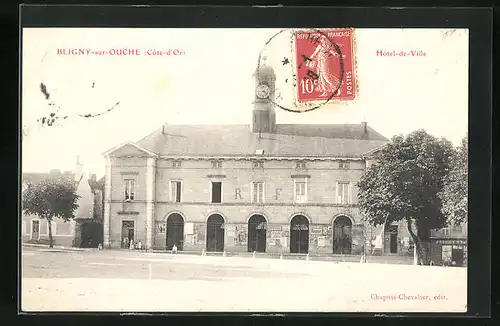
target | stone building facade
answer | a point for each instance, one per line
(262, 187)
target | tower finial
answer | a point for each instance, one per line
(78, 160)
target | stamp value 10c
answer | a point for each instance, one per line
(325, 65)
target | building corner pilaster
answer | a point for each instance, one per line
(150, 200)
(107, 204)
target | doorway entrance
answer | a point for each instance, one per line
(342, 235)
(215, 233)
(257, 228)
(299, 235)
(392, 231)
(127, 233)
(35, 229)
(92, 234)
(457, 256)
(175, 231)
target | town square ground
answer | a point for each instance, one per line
(64, 280)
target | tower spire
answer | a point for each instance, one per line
(78, 170)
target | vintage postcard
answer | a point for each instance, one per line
(244, 170)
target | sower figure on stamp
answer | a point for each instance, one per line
(325, 56)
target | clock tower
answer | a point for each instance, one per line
(263, 115)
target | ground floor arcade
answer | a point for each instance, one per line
(298, 235)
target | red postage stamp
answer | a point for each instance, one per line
(325, 65)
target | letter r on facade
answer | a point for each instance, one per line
(237, 193)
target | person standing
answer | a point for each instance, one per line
(325, 58)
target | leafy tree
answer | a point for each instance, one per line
(404, 185)
(455, 191)
(49, 199)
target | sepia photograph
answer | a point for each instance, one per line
(244, 169)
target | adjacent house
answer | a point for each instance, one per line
(34, 229)
(85, 229)
(449, 246)
(89, 216)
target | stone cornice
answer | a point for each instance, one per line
(177, 205)
(258, 157)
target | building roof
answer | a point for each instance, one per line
(31, 177)
(54, 174)
(342, 140)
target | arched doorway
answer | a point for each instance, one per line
(342, 237)
(257, 228)
(175, 231)
(299, 235)
(215, 233)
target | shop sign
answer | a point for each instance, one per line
(451, 242)
(316, 230)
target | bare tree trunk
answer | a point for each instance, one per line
(416, 242)
(423, 233)
(422, 243)
(425, 252)
(51, 240)
(426, 257)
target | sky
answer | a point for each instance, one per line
(212, 83)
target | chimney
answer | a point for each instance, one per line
(364, 132)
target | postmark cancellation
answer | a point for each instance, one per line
(324, 65)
